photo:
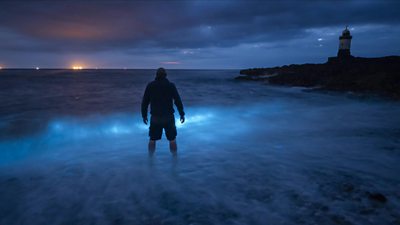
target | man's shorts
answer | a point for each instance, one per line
(158, 123)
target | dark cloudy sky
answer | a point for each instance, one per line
(191, 34)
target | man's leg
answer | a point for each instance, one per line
(152, 146)
(173, 147)
(155, 133)
(170, 132)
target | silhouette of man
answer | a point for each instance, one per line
(161, 94)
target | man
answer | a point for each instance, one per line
(161, 94)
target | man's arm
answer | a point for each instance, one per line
(145, 104)
(178, 102)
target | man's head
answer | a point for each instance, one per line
(161, 73)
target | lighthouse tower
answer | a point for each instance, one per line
(344, 44)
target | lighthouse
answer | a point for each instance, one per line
(344, 44)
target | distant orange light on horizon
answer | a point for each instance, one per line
(77, 67)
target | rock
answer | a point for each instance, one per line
(378, 197)
(360, 75)
(253, 78)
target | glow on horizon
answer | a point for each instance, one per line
(77, 67)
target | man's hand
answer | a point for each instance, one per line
(182, 119)
(145, 120)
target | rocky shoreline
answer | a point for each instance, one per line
(380, 76)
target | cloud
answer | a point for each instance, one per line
(93, 25)
(184, 28)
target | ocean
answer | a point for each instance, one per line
(73, 150)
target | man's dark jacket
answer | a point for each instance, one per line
(161, 94)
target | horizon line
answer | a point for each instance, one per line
(111, 68)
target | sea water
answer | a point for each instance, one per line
(73, 150)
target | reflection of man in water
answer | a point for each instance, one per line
(160, 94)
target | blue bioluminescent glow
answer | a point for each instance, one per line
(203, 124)
(116, 125)
(197, 119)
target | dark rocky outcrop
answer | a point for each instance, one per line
(362, 75)
(378, 197)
